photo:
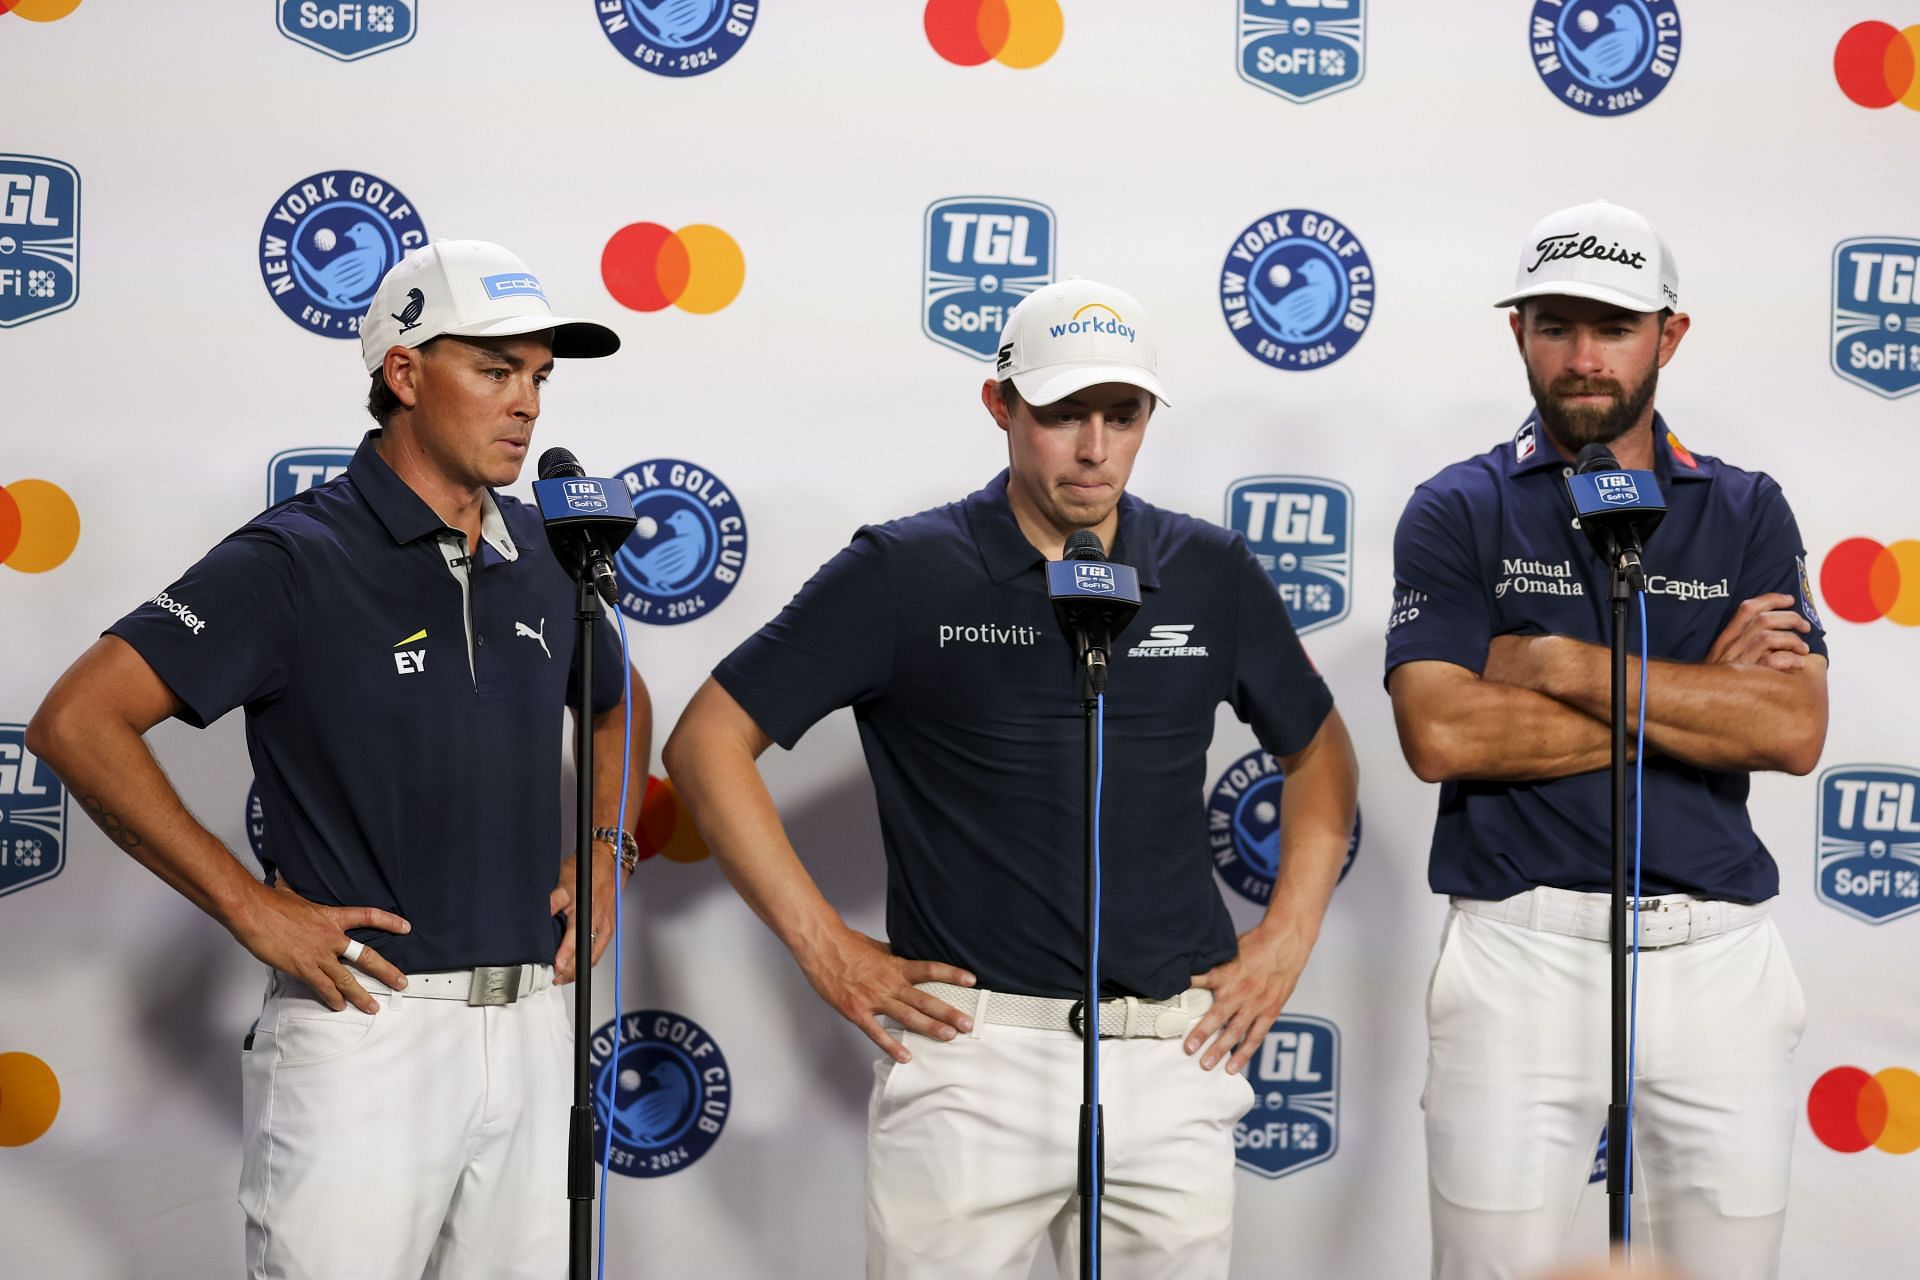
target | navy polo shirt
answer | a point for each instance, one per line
(1488, 548)
(392, 773)
(937, 630)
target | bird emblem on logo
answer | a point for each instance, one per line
(1305, 300)
(648, 1117)
(409, 315)
(675, 558)
(1609, 60)
(351, 275)
(680, 22)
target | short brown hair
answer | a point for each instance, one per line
(382, 404)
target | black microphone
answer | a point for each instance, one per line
(584, 517)
(1093, 600)
(1619, 527)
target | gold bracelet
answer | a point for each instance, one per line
(625, 847)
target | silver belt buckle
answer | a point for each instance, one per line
(495, 984)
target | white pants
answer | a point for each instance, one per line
(1518, 1085)
(973, 1156)
(429, 1139)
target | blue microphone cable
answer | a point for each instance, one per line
(1091, 1019)
(1633, 998)
(613, 1063)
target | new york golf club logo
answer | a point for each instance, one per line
(1605, 57)
(688, 550)
(1300, 529)
(33, 815)
(328, 241)
(1295, 1120)
(677, 37)
(1868, 863)
(349, 29)
(1876, 314)
(1243, 827)
(294, 471)
(1297, 289)
(39, 238)
(665, 1095)
(982, 255)
(1303, 49)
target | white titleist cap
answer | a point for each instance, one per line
(1600, 251)
(469, 289)
(1075, 334)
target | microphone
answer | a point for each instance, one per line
(1093, 599)
(1618, 509)
(584, 517)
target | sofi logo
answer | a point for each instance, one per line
(1300, 529)
(1876, 314)
(33, 815)
(1875, 65)
(1869, 852)
(39, 236)
(1850, 1110)
(980, 256)
(698, 268)
(1295, 1120)
(349, 29)
(1864, 581)
(1303, 49)
(1014, 33)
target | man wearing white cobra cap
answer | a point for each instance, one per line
(938, 632)
(1498, 666)
(401, 639)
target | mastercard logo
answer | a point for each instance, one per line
(1864, 581)
(648, 268)
(1014, 33)
(39, 525)
(40, 10)
(666, 827)
(29, 1096)
(1876, 65)
(1851, 1110)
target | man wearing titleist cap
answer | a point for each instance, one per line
(402, 641)
(1498, 665)
(937, 630)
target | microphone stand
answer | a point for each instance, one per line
(1627, 577)
(580, 1161)
(1092, 644)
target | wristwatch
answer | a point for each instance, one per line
(626, 848)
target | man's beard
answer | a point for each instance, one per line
(1576, 428)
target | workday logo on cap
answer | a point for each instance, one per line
(1605, 57)
(327, 243)
(677, 38)
(1300, 529)
(1876, 314)
(39, 238)
(349, 29)
(1243, 827)
(981, 256)
(1303, 49)
(33, 815)
(1868, 863)
(688, 549)
(1295, 1120)
(1297, 289)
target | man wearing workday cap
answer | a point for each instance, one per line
(937, 630)
(402, 640)
(1498, 665)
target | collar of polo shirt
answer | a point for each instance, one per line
(406, 516)
(1667, 467)
(1007, 553)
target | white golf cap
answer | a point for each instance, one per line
(1074, 334)
(468, 289)
(1601, 251)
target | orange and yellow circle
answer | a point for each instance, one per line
(1864, 581)
(1850, 1110)
(40, 10)
(1014, 33)
(666, 828)
(1878, 65)
(39, 526)
(698, 268)
(29, 1098)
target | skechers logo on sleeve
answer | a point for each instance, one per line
(181, 610)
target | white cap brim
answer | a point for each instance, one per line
(572, 338)
(1056, 382)
(1581, 289)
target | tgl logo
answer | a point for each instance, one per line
(1299, 518)
(33, 815)
(23, 200)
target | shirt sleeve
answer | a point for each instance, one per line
(224, 634)
(609, 674)
(1275, 687)
(1440, 608)
(1776, 560)
(831, 647)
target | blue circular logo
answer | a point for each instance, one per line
(256, 823)
(677, 37)
(687, 552)
(664, 1097)
(1243, 827)
(1297, 289)
(328, 241)
(1605, 57)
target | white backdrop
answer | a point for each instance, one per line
(157, 399)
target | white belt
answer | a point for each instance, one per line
(1666, 921)
(487, 985)
(1122, 1018)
